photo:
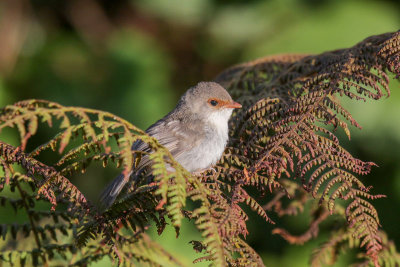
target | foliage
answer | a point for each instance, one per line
(286, 129)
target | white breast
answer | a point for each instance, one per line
(210, 150)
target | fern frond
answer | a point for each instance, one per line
(248, 257)
(207, 224)
(279, 129)
(145, 251)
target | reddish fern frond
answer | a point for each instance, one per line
(343, 239)
(279, 129)
(49, 176)
(363, 217)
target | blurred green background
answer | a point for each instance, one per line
(135, 58)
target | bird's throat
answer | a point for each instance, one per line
(219, 119)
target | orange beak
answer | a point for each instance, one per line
(233, 104)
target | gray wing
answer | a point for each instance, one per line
(174, 135)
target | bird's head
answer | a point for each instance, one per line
(210, 101)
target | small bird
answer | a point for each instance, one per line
(195, 132)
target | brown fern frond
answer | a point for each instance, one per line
(319, 215)
(285, 127)
(49, 176)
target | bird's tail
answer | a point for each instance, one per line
(112, 190)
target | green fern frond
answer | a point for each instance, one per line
(171, 188)
(206, 224)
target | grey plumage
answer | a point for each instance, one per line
(194, 132)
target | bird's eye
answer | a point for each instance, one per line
(213, 102)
